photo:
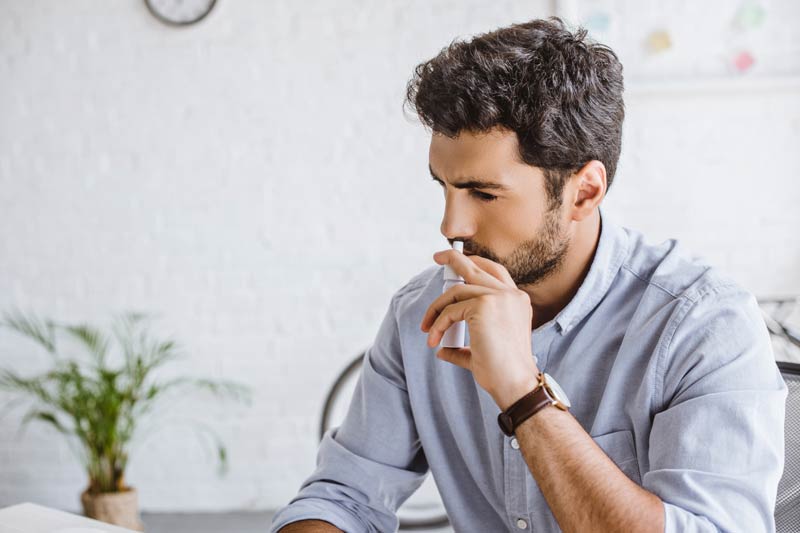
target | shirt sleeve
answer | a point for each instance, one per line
(716, 448)
(367, 467)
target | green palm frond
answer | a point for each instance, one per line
(33, 387)
(45, 416)
(40, 331)
(94, 340)
(157, 353)
(123, 329)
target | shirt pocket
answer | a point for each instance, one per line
(618, 446)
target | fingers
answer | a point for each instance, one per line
(457, 356)
(469, 270)
(453, 295)
(450, 315)
(495, 269)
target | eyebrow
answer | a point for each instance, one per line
(472, 183)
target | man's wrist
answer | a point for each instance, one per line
(545, 416)
(510, 394)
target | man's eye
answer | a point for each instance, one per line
(482, 196)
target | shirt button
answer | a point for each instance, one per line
(514, 443)
(521, 524)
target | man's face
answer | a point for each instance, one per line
(510, 224)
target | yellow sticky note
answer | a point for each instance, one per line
(659, 41)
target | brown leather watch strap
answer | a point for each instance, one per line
(524, 408)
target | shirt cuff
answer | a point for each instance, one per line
(317, 509)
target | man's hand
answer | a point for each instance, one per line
(499, 317)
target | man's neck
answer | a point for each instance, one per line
(553, 293)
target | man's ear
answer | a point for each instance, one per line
(586, 189)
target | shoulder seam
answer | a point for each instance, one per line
(666, 342)
(648, 281)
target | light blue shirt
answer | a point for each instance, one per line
(668, 366)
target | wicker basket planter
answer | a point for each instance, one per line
(117, 508)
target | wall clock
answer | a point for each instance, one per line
(180, 12)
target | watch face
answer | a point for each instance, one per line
(558, 392)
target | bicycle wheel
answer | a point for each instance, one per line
(424, 509)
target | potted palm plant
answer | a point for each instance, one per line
(101, 400)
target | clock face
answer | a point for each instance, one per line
(180, 12)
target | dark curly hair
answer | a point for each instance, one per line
(559, 92)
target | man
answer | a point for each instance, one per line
(676, 407)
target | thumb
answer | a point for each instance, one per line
(457, 356)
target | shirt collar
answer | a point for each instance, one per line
(612, 248)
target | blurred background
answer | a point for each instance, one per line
(252, 180)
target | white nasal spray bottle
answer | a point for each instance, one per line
(454, 336)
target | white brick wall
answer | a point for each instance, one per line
(254, 182)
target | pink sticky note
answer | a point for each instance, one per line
(743, 61)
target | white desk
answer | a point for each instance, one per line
(32, 518)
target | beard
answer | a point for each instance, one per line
(535, 259)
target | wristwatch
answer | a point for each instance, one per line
(547, 392)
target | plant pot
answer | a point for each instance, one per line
(117, 508)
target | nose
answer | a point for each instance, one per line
(458, 221)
